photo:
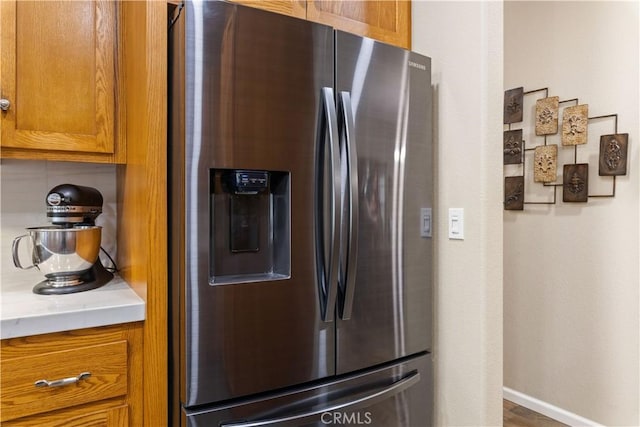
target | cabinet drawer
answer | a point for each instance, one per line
(109, 417)
(106, 363)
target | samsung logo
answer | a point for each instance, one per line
(418, 66)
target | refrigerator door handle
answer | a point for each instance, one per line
(371, 398)
(348, 130)
(327, 271)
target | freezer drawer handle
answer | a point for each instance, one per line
(348, 276)
(365, 401)
(327, 270)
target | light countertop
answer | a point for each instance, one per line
(23, 313)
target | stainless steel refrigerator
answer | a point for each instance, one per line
(300, 224)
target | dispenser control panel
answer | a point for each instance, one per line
(248, 182)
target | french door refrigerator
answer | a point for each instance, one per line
(300, 206)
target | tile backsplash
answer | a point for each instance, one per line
(24, 184)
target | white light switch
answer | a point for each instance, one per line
(456, 223)
(425, 222)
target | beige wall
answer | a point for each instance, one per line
(464, 40)
(571, 271)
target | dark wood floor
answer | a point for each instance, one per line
(514, 415)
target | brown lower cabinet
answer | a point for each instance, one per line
(75, 378)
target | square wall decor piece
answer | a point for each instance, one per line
(576, 183)
(545, 163)
(514, 193)
(547, 115)
(513, 99)
(574, 125)
(512, 146)
(613, 154)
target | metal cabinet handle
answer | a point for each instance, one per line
(62, 382)
(4, 104)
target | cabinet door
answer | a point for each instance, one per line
(108, 395)
(59, 75)
(388, 21)
(297, 8)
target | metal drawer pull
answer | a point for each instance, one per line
(63, 382)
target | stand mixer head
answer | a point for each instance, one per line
(69, 205)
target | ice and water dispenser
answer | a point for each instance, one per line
(250, 226)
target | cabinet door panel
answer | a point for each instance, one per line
(58, 72)
(388, 21)
(297, 8)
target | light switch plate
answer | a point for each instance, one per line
(425, 222)
(456, 223)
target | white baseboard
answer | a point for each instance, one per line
(547, 409)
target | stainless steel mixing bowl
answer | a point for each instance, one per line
(61, 253)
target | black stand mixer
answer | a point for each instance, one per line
(67, 251)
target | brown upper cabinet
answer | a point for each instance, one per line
(59, 80)
(388, 21)
(297, 8)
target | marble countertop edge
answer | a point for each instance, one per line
(25, 314)
(45, 324)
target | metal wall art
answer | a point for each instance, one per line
(575, 183)
(513, 99)
(512, 147)
(613, 154)
(612, 159)
(545, 163)
(547, 115)
(514, 193)
(574, 125)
